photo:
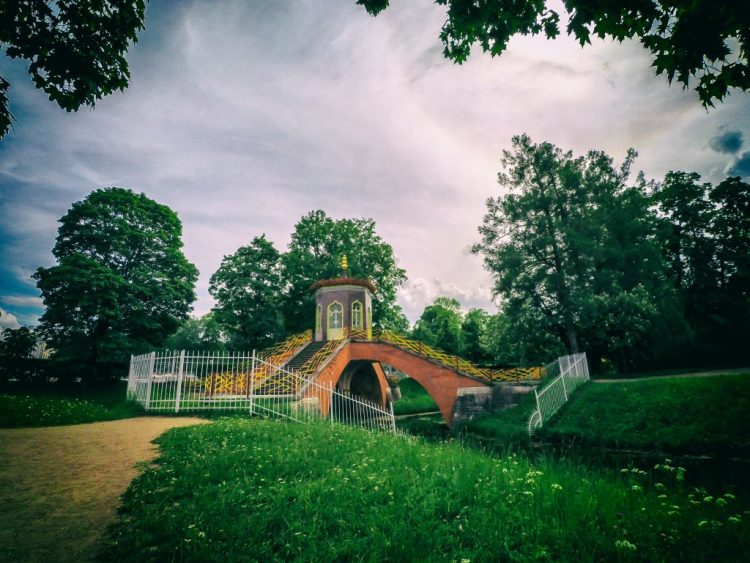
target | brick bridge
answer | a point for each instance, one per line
(460, 389)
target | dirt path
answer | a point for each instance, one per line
(711, 373)
(60, 486)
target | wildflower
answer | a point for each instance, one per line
(556, 487)
(637, 488)
(625, 544)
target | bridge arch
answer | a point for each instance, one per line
(440, 382)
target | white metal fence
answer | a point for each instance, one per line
(568, 373)
(180, 381)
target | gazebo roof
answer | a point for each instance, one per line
(343, 281)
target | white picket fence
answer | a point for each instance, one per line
(568, 373)
(180, 381)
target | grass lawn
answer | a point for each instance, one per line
(239, 490)
(692, 415)
(53, 406)
(414, 399)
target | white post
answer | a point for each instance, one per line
(538, 407)
(330, 401)
(131, 378)
(333, 418)
(393, 418)
(565, 388)
(252, 384)
(151, 362)
(178, 395)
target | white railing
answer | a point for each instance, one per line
(573, 372)
(180, 381)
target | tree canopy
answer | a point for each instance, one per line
(314, 253)
(121, 283)
(440, 325)
(585, 256)
(699, 40)
(76, 48)
(17, 343)
(247, 288)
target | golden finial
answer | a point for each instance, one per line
(344, 263)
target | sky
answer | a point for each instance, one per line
(243, 116)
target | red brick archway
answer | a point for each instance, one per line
(440, 382)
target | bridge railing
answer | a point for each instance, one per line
(456, 362)
(182, 381)
(568, 374)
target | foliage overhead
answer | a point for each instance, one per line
(247, 288)
(121, 283)
(76, 48)
(702, 40)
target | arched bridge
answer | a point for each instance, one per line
(354, 365)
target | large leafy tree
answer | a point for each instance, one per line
(121, 283)
(699, 39)
(314, 253)
(247, 287)
(705, 237)
(440, 325)
(572, 243)
(75, 48)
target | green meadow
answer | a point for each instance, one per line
(254, 490)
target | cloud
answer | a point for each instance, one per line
(727, 142)
(418, 293)
(741, 166)
(244, 116)
(8, 320)
(22, 300)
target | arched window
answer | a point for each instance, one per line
(357, 315)
(335, 329)
(318, 315)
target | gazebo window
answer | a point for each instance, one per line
(318, 315)
(335, 315)
(357, 315)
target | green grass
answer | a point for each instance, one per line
(414, 399)
(690, 415)
(271, 491)
(57, 406)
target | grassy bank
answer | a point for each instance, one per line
(271, 491)
(54, 406)
(414, 399)
(690, 415)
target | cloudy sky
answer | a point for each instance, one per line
(242, 116)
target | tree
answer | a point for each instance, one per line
(572, 243)
(76, 48)
(17, 343)
(440, 325)
(247, 287)
(705, 237)
(697, 39)
(314, 253)
(122, 283)
(475, 336)
(202, 334)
